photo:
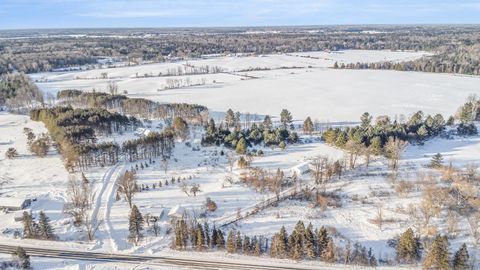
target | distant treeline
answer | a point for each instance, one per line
(138, 107)
(459, 59)
(47, 53)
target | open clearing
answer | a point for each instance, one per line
(302, 82)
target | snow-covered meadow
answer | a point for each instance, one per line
(304, 83)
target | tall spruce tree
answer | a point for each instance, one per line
(28, 226)
(408, 247)
(437, 255)
(220, 240)
(45, 229)
(231, 245)
(285, 118)
(437, 161)
(310, 242)
(308, 126)
(135, 225)
(461, 258)
(23, 259)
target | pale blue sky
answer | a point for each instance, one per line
(16, 14)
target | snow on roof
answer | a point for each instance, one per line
(14, 202)
(176, 211)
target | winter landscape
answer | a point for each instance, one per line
(300, 147)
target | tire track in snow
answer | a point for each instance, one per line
(104, 202)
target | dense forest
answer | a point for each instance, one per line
(75, 133)
(28, 52)
(138, 107)
(18, 92)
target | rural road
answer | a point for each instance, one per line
(153, 261)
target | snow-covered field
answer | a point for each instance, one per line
(311, 89)
(304, 84)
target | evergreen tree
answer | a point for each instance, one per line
(22, 258)
(206, 231)
(135, 226)
(328, 254)
(45, 229)
(200, 238)
(310, 242)
(461, 258)
(238, 242)
(437, 255)
(408, 247)
(241, 147)
(28, 226)
(267, 122)
(308, 126)
(285, 118)
(246, 245)
(220, 240)
(376, 145)
(213, 239)
(322, 241)
(230, 118)
(231, 245)
(437, 161)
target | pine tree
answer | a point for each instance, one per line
(22, 258)
(461, 258)
(257, 249)
(231, 245)
(206, 231)
(310, 242)
(285, 118)
(328, 254)
(246, 245)
(295, 245)
(28, 227)
(135, 226)
(241, 147)
(200, 238)
(437, 161)
(308, 126)
(408, 247)
(238, 241)
(282, 247)
(322, 241)
(230, 118)
(45, 229)
(213, 239)
(220, 240)
(437, 255)
(267, 122)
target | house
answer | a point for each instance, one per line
(142, 132)
(14, 204)
(176, 212)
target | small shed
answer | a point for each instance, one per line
(176, 212)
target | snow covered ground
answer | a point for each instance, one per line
(319, 92)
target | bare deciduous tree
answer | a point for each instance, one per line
(127, 186)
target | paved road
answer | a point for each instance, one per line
(153, 261)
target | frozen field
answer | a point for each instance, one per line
(310, 89)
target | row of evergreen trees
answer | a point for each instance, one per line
(409, 250)
(37, 230)
(231, 135)
(417, 128)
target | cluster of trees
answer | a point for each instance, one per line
(304, 243)
(409, 250)
(385, 136)
(38, 145)
(230, 133)
(138, 107)
(73, 130)
(183, 82)
(262, 180)
(467, 114)
(189, 69)
(37, 230)
(155, 144)
(18, 92)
